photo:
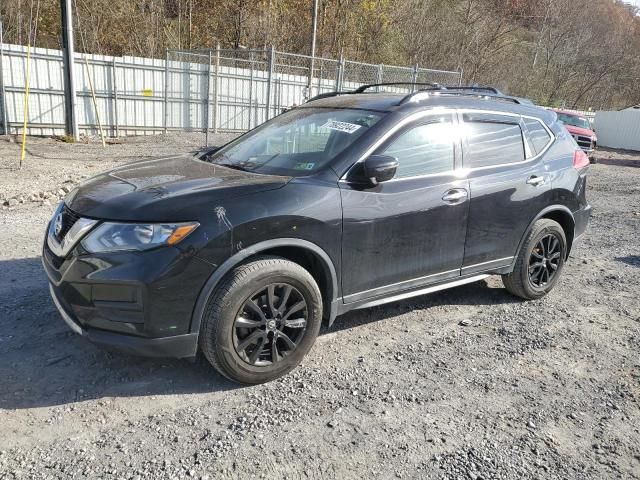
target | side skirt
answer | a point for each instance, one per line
(413, 293)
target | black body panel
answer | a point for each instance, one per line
(162, 190)
(400, 232)
(362, 242)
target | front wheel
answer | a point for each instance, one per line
(539, 261)
(261, 320)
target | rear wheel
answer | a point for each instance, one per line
(539, 261)
(261, 320)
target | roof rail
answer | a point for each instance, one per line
(327, 95)
(484, 96)
(477, 89)
(364, 88)
(417, 96)
(482, 92)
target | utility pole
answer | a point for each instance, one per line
(3, 96)
(314, 26)
(68, 55)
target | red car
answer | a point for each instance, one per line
(580, 129)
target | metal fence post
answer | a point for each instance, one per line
(460, 81)
(114, 99)
(379, 76)
(206, 103)
(3, 96)
(320, 78)
(166, 91)
(269, 82)
(250, 87)
(414, 77)
(217, 90)
(69, 63)
(340, 73)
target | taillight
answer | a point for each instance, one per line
(580, 160)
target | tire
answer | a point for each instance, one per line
(519, 282)
(232, 305)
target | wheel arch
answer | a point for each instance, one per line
(309, 255)
(558, 213)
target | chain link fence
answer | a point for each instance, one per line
(201, 91)
(221, 90)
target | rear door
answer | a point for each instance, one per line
(408, 231)
(508, 184)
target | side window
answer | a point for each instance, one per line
(424, 149)
(492, 143)
(538, 135)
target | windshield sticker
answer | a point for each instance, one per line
(305, 166)
(341, 126)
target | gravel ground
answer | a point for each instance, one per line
(469, 383)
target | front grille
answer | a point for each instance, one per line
(69, 218)
(582, 141)
(54, 260)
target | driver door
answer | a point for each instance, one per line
(409, 231)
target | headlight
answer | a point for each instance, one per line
(110, 237)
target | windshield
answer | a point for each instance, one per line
(573, 120)
(296, 143)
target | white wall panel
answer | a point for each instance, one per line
(132, 98)
(618, 129)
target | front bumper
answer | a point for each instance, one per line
(178, 346)
(137, 302)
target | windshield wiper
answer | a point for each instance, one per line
(233, 166)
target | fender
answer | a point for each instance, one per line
(542, 213)
(234, 260)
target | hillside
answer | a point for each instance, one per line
(579, 53)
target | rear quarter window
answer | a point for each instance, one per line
(538, 136)
(492, 143)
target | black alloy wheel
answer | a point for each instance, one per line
(270, 324)
(261, 320)
(544, 260)
(539, 261)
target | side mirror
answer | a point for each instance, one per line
(380, 168)
(209, 150)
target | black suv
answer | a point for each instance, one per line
(351, 200)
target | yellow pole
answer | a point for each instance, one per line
(93, 96)
(26, 105)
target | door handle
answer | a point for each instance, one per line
(455, 195)
(535, 180)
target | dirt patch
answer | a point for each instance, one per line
(620, 158)
(51, 164)
(466, 383)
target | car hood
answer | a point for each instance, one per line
(579, 131)
(164, 189)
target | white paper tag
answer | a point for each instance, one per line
(341, 126)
